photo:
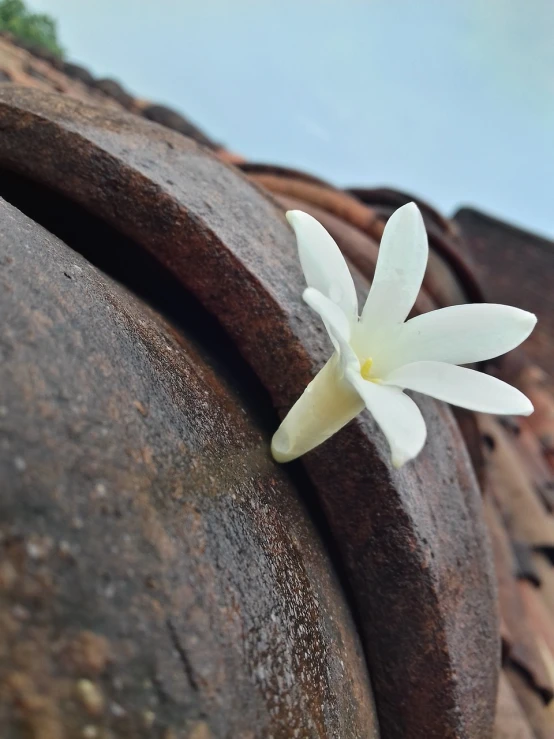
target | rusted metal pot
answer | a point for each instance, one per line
(161, 575)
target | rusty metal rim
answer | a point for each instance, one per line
(37, 145)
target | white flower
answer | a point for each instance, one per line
(380, 354)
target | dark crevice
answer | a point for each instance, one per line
(128, 263)
(548, 552)
(187, 667)
(544, 691)
(132, 266)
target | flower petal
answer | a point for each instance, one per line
(326, 405)
(324, 267)
(399, 272)
(461, 386)
(459, 334)
(337, 325)
(398, 416)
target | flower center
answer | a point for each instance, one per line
(365, 369)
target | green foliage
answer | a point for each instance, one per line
(34, 28)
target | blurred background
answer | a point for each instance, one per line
(453, 101)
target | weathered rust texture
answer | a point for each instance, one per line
(115, 91)
(29, 67)
(159, 574)
(524, 565)
(517, 478)
(442, 283)
(545, 571)
(258, 168)
(413, 541)
(451, 278)
(533, 461)
(335, 201)
(385, 197)
(510, 720)
(36, 50)
(539, 716)
(358, 248)
(77, 72)
(516, 267)
(539, 387)
(469, 428)
(540, 620)
(521, 648)
(170, 119)
(522, 511)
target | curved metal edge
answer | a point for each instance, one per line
(417, 531)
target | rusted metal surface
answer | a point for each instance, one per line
(451, 276)
(170, 119)
(510, 718)
(323, 196)
(517, 267)
(539, 387)
(540, 618)
(540, 720)
(159, 574)
(545, 571)
(30, 66)
(413, 541)
(115, 91)
(521, 647)
(519, 517)
(534, 462)
(529, 443)
(513, 491)
(359, 249)
(25, 68)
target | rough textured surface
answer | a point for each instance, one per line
(472, 258)
(368, 218)
(413, 541)
(32, 67)
(514, 458)
(516, 267)
(159, 575)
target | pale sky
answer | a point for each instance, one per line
(452, 100)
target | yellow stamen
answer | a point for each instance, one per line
(366, 368)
